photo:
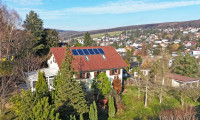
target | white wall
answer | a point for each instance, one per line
(175, 83)
(52, 64)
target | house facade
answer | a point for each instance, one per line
(88, 63)
(183, 81)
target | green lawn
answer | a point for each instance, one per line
(102, 34)
(135, 107)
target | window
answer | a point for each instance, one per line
(85, 75)
(114, 72)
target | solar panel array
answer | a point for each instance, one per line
(95, 51)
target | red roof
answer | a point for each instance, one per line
(192, 42)
(96, 62)
(182, 78)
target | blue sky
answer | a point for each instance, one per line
(85, 15)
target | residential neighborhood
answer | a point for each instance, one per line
(99, 60)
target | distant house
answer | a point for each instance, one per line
(189, 43)
(179, 80)
(88, 63)
(196, 52)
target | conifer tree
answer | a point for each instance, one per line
(111, 105)
(34, 25)
(41, 89)
(87, 39)
(93, 113)
(69, 95)
(43, 111)
(81, 117)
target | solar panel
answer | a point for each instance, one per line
(91, 51)
(101, 51)
(96, 51)
(86, 52)
(80, 51)
(74, 51)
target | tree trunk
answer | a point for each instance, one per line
(98, 95)
(146, 95)
(160, 100)
(139, 89)
(161, 91)
(182, 100)
(155, 77)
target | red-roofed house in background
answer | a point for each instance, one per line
(88, 62)
(189, 43)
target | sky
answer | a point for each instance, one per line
(84, 15)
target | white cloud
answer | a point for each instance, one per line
(130, 6)
(119, 7)
(26, 2)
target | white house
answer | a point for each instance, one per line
(88, 63)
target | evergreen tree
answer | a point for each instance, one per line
(104, 85)
(111, 105)
(81, 117)
(41, 89)
(43, 111)
(51, 36)
(25, 107)
(69, 95)
(23, 104)
(34, 25)
(93, 113)
(186, 66)
(87, 39)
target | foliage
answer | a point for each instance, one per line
(51, 37)
(42, 110)
(103, 84)
(41, 39)
(5, 68)
(117, 85)
(34, 25)
(157, 51)
(135, 107)
(41, 89)
(87, 39)
(188, 113)
(139, 59)
(93, 113)
(23, 105)
(186, 66)
(78, 44)
(175, 47)
(111, 105)
(69, 95)
(81, 117)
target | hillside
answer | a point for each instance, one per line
(73, 34)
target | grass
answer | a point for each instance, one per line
(100, 35)
(135, 106)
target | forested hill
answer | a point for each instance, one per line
(193, 23)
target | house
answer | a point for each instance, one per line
(189, 43)
(179, 80)
(88, 63)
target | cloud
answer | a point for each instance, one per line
(119, 7)
(26, 2)
(130, 6)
